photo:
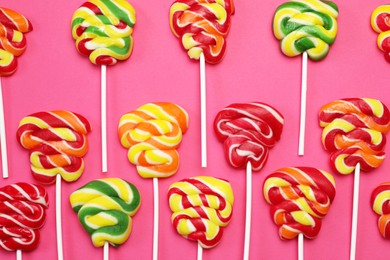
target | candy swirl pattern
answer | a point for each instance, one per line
(248, 131)
(202, 208)
(306, 26)
(22, 215)
(57, 142)
(13, 25)
(202, 26)
(103, 30)
(354, 132)
(380, 24)
(152, 133)
(380, 202)
(300, 197)
(105, 208)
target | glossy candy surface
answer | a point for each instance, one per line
(105, 208)
(380, 203)
(380, 24)
(300, 197)
(152, 133)
(22, 215)
(354, 132)
(202, 207)
(57, 142)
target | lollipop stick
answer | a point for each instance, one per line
(59, 217)
(155, 220)
(200, 252)
(104, 116)
(18, 254)
(248, 212)
(203, 109)
(301, 146)
(3, 141)
(300, 246)
(106, 251)
(355, 208)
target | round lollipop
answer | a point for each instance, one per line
(248, 131)
(152, 133)
(380, 202)
(57, 142)
(202, 27)
(13, 25)
(202, 208)
(380, 24)
(103, 31)
(22, 215)
(305, 27)
(105, 208)
(354, 134)
(300, 197)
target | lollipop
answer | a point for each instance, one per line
(104, 208)
(300, 197)
(12, 43)
(379, 23)
(202, 208)
(248, 131)
(103, 31)
(380, 199)
(354, 134)
(57, 143)
(22, 214)
(202, 26)
(152, 133)
(308, 27)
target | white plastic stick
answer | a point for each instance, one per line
(300, 246)
(155, 219)
(3, 140)
(200, 252)
(301, 146)
(106, 251)
(59, 218)
(203, 109)
(18, 254)
(355, 210)
(248, 212)
(104, 116)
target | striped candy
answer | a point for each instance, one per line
(202, 26)
(12, 40)
(57, 142)
(299, 197)
(306, 26)
(380, 202)
(248, 131)
(105, 207)
(152, 133)
(354, 132)
(380, 24)
(22, 214)
(202, 207)
(103, 30)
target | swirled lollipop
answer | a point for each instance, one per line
(105, 208)
(152, 133)
(22, 215)
(57, 142)
(248, 131)
(103, 31)
(380, 24)
(354, 134)
(308, 27)
(380, 202)
(202, 27)
(13, 25)
(202, 208)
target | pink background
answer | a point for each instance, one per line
(52, 75)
